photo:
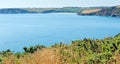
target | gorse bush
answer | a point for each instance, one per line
(90, 51)
(32, 49)
(86, 51)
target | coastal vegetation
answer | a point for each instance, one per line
(85, 51)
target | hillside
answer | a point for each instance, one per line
(14, 11)
(86, 51)
(106, 11)
(40, 10)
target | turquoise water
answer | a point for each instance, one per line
(19, 30)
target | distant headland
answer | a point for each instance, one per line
(102, 11)
(113, 11)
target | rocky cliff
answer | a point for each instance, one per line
(106, 11)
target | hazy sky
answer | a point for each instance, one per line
(56, 3)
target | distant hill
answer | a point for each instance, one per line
(40, 10)
(99, 11)
(14, 11)
(102, 11)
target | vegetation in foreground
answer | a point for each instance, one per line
(86, 51)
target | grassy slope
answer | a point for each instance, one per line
(87, 11)
(45, 56)
(49, 10)
(39, 10)
(86, 51)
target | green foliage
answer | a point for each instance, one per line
(18, 54)
(0, 60)
(90, 51)
(6, 53)
(86, 51)
(32, 49)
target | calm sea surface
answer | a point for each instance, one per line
(19, 30)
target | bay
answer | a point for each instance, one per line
(19, 30)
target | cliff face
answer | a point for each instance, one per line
(108, 11)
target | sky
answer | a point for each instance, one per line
(56, 3)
